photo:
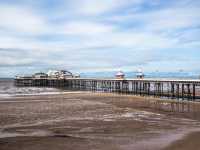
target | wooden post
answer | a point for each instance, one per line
(194, 91)
(177, 90)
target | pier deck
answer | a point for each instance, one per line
(171, 88)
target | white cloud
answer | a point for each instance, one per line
(97, 7)
(139, 41)
(20, 19)
(11, 61)
(170, 18)
(83, 28)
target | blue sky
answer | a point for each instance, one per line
(99, 35)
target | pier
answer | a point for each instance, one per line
(173, 89)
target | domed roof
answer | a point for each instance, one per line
(140, 72)
(52, 72)
(64, 72)
(120, 73)
(59, 72)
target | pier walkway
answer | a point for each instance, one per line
(173, 89)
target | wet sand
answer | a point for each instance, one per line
(84, 121)
(189, 142)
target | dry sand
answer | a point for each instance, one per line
(97, 121)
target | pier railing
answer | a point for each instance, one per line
(174, 89)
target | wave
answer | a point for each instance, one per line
(7, 89)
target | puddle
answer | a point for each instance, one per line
(25, 132)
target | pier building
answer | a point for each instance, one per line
(120, 75)
(140, 74)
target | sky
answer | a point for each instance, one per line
(99, 35)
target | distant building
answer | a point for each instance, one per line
(17, 77)
(40, 75)
(59, 74)
(120, 75)
(140, 74)
(53, 73)
(65, 74)
(76, 75)
(23, 76)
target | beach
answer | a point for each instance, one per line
(87, 120)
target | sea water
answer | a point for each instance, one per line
(8, 89)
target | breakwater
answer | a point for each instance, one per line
(174, 89)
